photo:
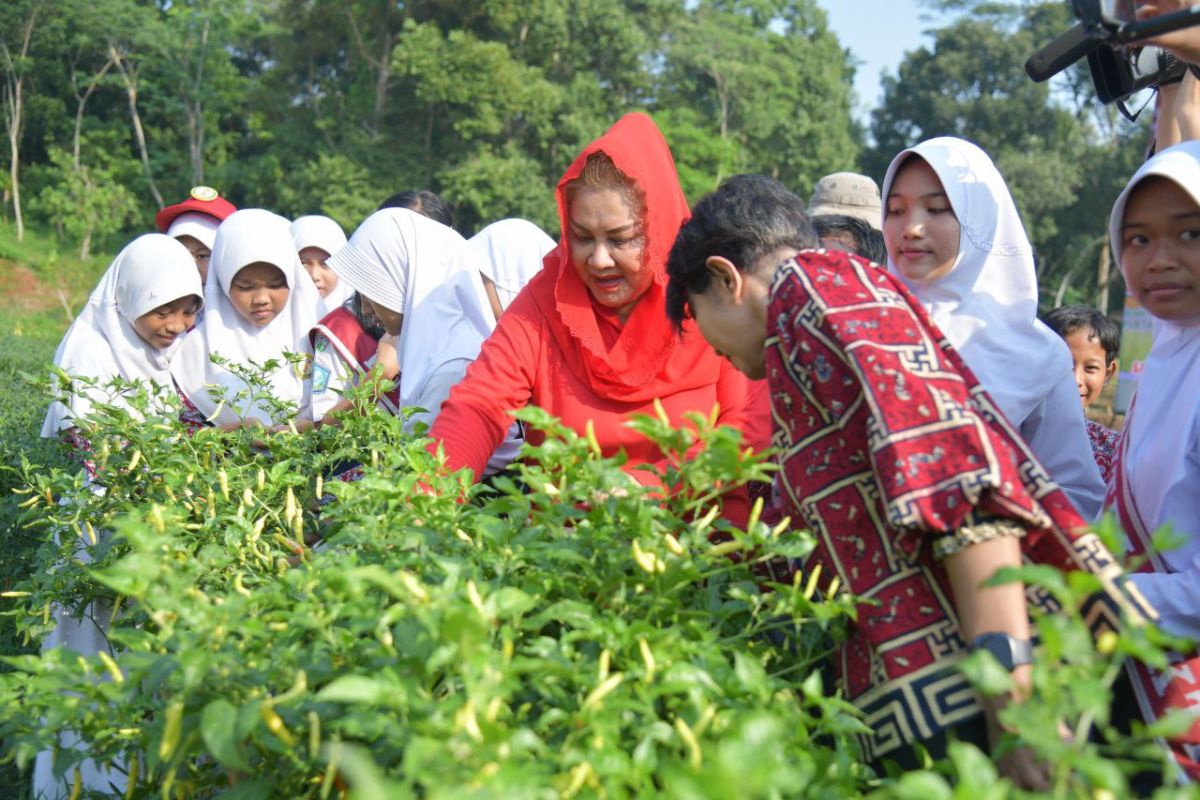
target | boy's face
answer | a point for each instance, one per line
(1160, 250)
(725, 315)
(1091, 371)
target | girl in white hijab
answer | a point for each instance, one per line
(417, 278)
(259, 306)
(1155, 233)
(508, 253)
(317, 238)
(1155, 230)
(134, 322)
(954, 237)
(135, 319)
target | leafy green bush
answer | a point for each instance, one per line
(563, 632)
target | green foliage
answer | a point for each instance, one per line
(304, 106)
(90, 201)
(557, 633)
(561, 632)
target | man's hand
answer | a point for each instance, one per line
(1185, 44)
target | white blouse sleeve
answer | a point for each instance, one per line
(435, 390)
(1057, 433)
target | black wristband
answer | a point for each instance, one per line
(1008, 650)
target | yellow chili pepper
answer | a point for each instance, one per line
(597, 695)
(172, 727)
(275, 724)
(695, 758)
(647, 659)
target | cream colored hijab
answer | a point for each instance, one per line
(987, 304)
(247, 237)
(101, 343)
(1163, 430)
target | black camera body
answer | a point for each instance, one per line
(1104, 35)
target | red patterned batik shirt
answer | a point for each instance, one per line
(894, 456)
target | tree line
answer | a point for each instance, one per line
(112, 108)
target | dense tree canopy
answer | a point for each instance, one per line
(315, 105)
(112, 106)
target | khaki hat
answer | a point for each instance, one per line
(850, 194)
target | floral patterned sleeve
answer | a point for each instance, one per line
(1104, 447)
(74, 439)
(190, 417)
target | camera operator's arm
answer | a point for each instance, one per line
(1187, 107)
(1178, 113)
(1185, 44)
(1166, 121)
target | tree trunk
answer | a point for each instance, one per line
(14, 101)
(12, 98)
(81, 102)
(381, 79)
(139, 133)
(195, 112)
(1105, 259)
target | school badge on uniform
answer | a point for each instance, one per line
(320, 379)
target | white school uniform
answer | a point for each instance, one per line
(987, 306)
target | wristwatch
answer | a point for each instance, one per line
(1009, 651)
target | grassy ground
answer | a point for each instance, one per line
(44, 284)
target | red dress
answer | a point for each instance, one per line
(556, 348)
(894, 455)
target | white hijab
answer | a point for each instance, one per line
(315, 230)
(1165, 424)
(201, 227)
(987, 304)
(420, 268)
(246, 237)
(101, 343)
(509, 253)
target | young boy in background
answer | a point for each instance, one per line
(1094, 341)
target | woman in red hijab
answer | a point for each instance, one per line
(588, 337)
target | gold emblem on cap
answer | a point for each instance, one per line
(204, 194)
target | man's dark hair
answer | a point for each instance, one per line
(423, 202)
(868, 242)
(1065, 320)
(746, 218)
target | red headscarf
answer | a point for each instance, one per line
(648, 359)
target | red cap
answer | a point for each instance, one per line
(202, 199)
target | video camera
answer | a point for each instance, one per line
(1104, 34)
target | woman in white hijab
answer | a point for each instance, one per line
(135, 319)
(134, 322)
(954, 237)
(508, 253)
(317, 238)
(417, 278)
(259, 307)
